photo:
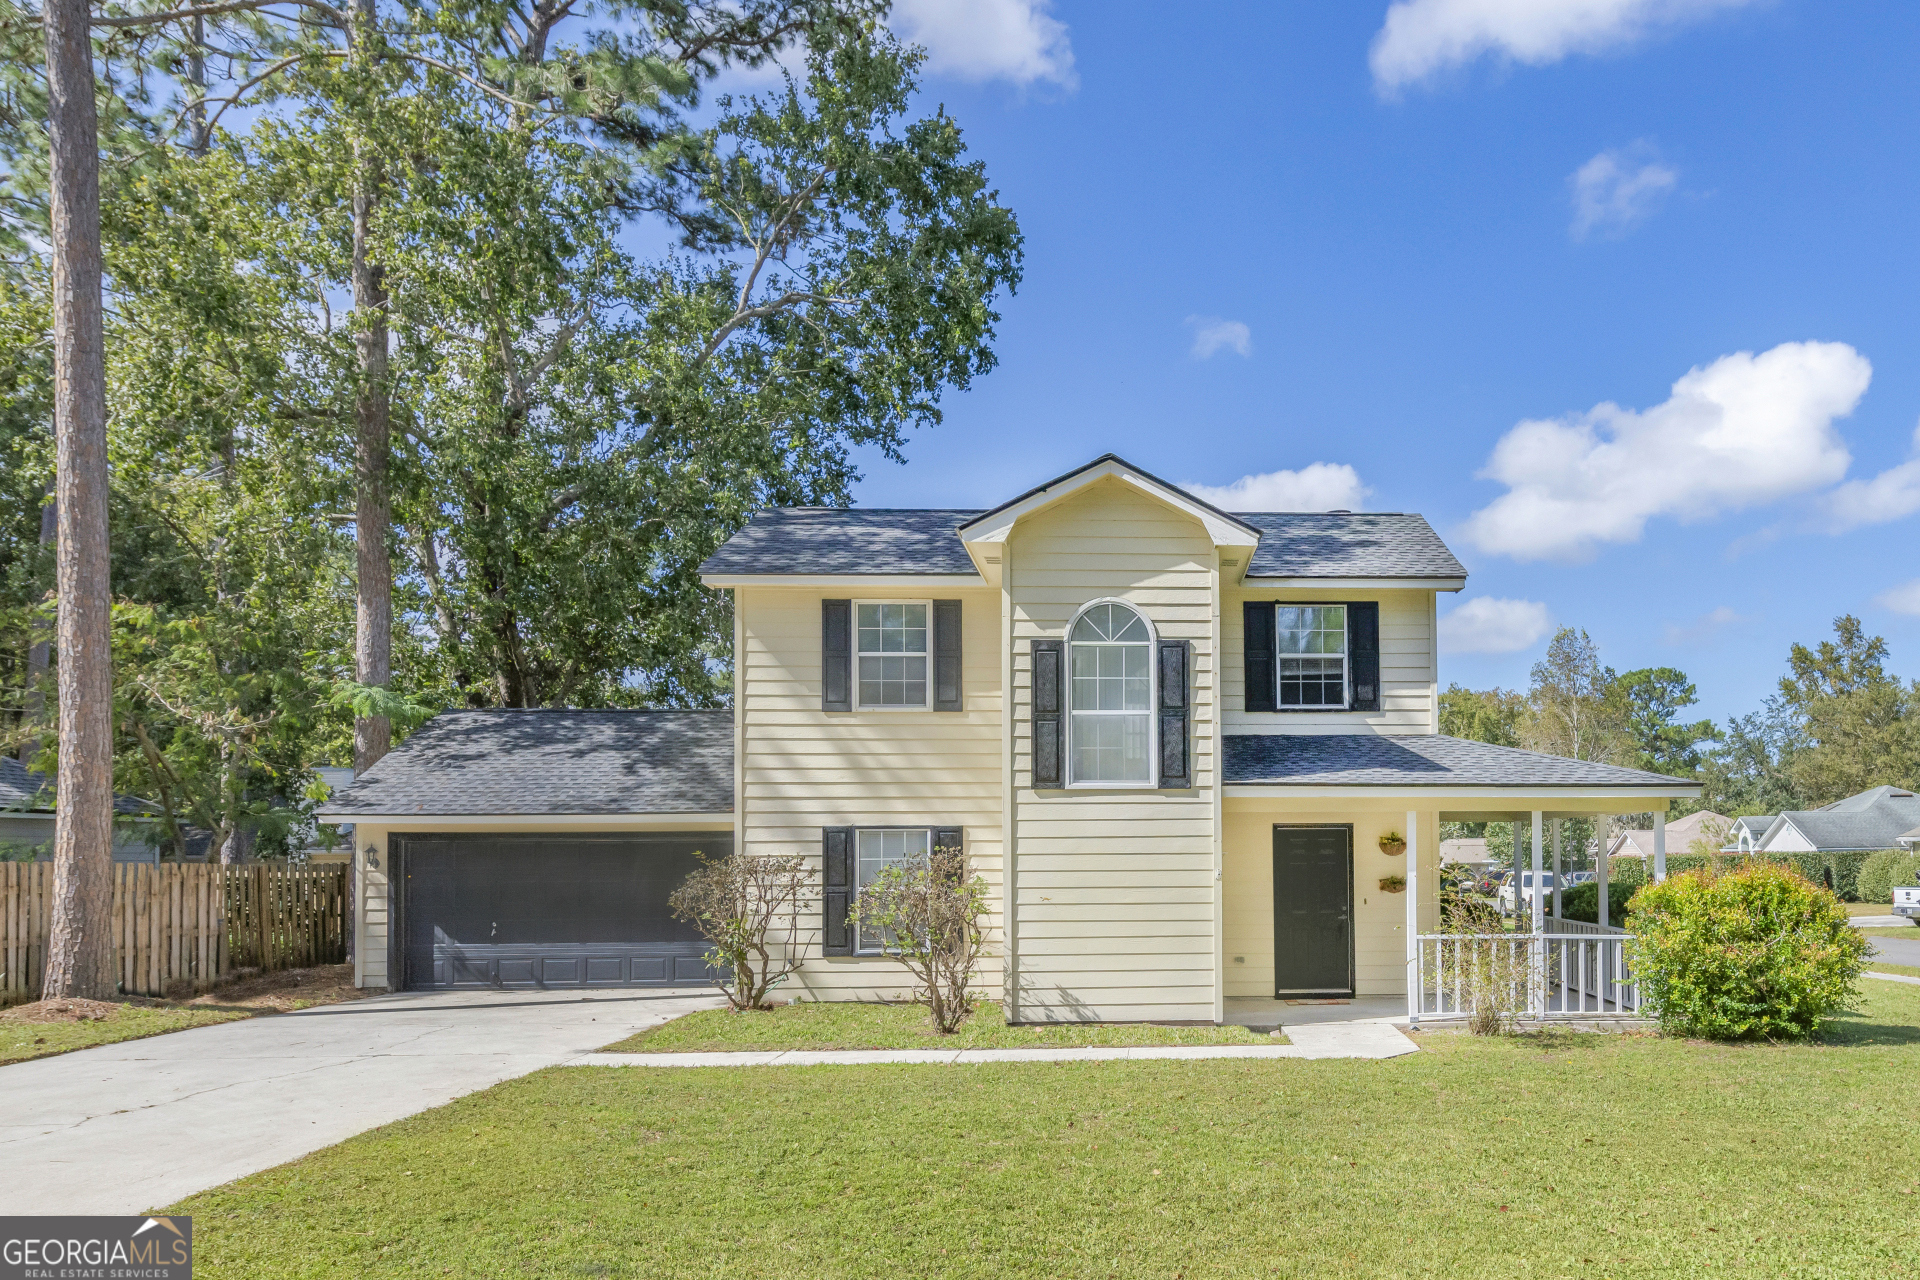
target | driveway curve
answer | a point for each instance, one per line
(132, 1126)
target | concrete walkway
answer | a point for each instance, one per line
(129, 1127)
(1326, 1040)
(1892, 977)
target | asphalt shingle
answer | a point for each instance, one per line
(551, 762)
(1875, 819)
(1363, 544)
(23, 789)
(1412, 760)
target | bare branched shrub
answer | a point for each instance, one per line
(748, 908)
(1485, 978)
(934, 921)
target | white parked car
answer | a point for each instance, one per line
(1573, 878)
(1906, 902)
(1527, 889)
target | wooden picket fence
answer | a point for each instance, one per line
(186, 924)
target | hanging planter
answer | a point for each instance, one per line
(1393, 844)
(1393, 884)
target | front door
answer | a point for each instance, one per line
(1312, 911)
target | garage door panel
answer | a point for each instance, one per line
(551, 911)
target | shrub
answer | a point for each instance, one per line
(1759, 953)
(1582, 902)
(748, 908)
(1885, 871)
(934, 921)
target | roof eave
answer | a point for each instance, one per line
(729, 581)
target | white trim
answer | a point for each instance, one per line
(925, 655)
(874, 581)
(879, 952)
(1152, 780)
(997, 525)
(1313, 791)
(481, 821)
(1257, 582)
(1345, 655)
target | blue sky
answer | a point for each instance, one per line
(1381, 237)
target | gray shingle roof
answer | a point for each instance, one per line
(1364, 544)
(1412, 760)
(829, 540)
(551, 762)
(810, 540)
(1874, 819)
(22, 788)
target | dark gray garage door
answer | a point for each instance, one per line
(544, 911)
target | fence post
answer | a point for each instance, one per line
(263, 925)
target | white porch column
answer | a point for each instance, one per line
(1538, 912)
(1659, 845)
(1413, 918)
(1558, 868)
(1519, 867)
(1600, 865)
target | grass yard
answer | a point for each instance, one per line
(845, 1025)
(1895, 931)
(1558, 1155)
(1880, 967)
(21, 1040)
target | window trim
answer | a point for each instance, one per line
(877, 953)
(858, 653)
(1346, 656)
(1152, 711)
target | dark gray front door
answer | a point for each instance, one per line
(549, 910)
(1312, 911)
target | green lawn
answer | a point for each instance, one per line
(1896, 931)
(1882, 967)
(844, 1025)
(1558, 1155)
(20, 1041)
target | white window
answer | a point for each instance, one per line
(891, 648)
(1311, 651)
(880, 848)
(1110, 718)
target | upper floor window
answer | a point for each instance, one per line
(1312, 655)
(1110, 720)
(891, 648)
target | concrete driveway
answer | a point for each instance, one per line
(130, 1127)
(1898, 950)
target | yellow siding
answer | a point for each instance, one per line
(1380, 938)
(801, 769)
(1407, 665)
(1115, 908)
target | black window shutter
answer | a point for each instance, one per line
(836, 890)
(836, 655)
(950, 840)
(1257, 644)
(946, 656)
(1176, 751)
(1363, 649)
(1048, 747)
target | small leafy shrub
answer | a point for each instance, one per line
(1761, 953)
(1885, 871)
(1582, 902)
(747, 907)
(934, 921)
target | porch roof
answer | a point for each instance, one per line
(1415, 760)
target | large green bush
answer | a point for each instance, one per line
(1761, 953)
(1582, 902)
(1887, 870)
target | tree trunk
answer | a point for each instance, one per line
(80, 943)
(373, 593)
(39, 653)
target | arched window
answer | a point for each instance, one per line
(1110, 721)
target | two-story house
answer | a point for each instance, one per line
(1179, 745)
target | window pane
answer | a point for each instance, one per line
(878, 849)
(893, 681)
(1112, 748)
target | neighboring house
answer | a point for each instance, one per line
(1875, 819)
(1910, 839)
(1467, 850)
(1681, 835)
(1745, 835)
(27, 819)
(1169, 738)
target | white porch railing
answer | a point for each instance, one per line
(1575, 972)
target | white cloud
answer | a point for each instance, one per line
(1618, 190)
(1894, 494)
(1017, 40)
(1423, 37)
(1211, 334)
(1904, 598)
(1319, 486)
(1744, 431)
(1489, 624)
(1702, 628)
